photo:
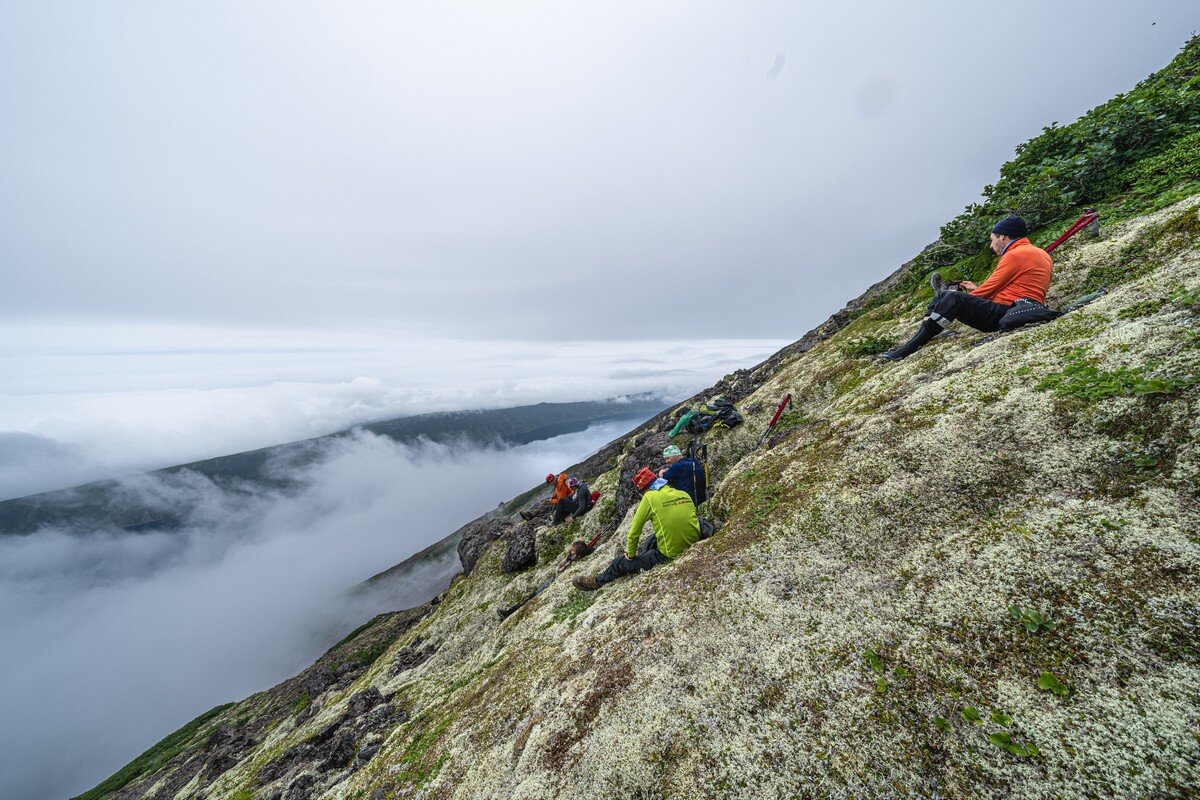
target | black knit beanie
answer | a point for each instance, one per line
(1011, 226)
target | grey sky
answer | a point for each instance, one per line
(504, 169)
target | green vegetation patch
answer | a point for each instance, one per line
(520, 500)
(366, 656)
(1142, 309)
(1081, 378)
(155, 758)
(1170, 175)
(605, 510)
(766, 499)
(577, 602)
(420, 763)
(554, 540)
(1185, 297)
(1047, 682)
(354, 633)
(862, 346)
(1004, 740)
(1031, 620)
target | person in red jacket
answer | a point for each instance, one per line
(1022, 274)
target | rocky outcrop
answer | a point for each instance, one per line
(346, 744)
(521, 551)
(475, 538)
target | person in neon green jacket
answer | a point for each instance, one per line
(676, 528)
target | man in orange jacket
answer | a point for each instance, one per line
(1022, 274)
(561, 489)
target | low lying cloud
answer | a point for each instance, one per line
(106, 404)
(154, 628)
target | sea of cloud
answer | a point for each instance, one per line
(82, 403)
(111, 640)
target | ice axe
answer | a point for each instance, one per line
(787, 398)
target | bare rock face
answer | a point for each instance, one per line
(476, 537)
(522, 550)
(225, 747)
(412, 656)
(339, 744)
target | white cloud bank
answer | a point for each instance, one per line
(84, 403)
(111, 640)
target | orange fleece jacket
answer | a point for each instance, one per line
(1023, 271)
(561, 489)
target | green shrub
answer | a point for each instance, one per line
(1083, 379)
(867, 346)
(1030, 619)
(1176, 167)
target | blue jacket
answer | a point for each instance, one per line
(684, 475)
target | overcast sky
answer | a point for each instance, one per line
(229, 224)
(580, 170)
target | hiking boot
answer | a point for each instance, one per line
(927, 331)
(586, 583)
(935, 280)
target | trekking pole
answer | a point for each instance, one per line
(787, 398)
(505, 613)
(1091, 219)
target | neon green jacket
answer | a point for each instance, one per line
(675, 524)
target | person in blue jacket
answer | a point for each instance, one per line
(685, 474)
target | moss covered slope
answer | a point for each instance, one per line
(972, 573)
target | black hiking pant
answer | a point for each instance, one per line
(563, 509)
(648, 556)
(978, 312)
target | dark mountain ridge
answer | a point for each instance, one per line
(114, 503)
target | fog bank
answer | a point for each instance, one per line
(111, 640)
(83, 403)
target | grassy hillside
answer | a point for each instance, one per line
(972, 573)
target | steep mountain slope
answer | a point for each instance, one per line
(972, 573)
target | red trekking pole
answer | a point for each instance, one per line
(787, 398)
(1090, 219)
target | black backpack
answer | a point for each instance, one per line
(1026, 312)
(716, 412)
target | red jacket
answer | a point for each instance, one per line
(1023, 271)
